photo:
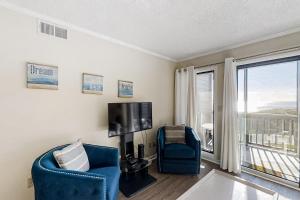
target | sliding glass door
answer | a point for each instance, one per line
(205, 114)
(268, 105)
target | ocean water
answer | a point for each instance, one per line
(95, 87)
(126, 92)
(44, 81)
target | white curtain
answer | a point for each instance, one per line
(185, 97)
(230, 156)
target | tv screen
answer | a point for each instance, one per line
(145, 115)
(129, 117)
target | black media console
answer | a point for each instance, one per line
(135, 176)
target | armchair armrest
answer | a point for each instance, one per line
(100, 156)
(193, 140)
(160, 144)
(66, 184)
(160, 138)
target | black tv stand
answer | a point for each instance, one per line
(134, 176)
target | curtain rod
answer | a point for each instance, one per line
(256, 56)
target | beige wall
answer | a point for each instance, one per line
(275, 44)
(32, 121)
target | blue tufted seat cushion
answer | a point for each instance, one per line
(178, 151)
(112, 175)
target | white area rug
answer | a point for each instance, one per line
(217, 185)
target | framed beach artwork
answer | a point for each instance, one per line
(92, 84)
(42, 76)
(125, 89)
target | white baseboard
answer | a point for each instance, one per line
(151, 157)
(211, 160)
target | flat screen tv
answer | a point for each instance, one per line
(131, 117)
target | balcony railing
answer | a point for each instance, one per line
(270, 144)
(276, 131)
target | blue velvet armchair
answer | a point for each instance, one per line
(179, 158)
(101, 182)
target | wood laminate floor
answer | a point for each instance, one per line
(170, 186)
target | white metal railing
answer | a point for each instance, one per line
(277, 131)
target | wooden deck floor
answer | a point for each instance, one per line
(169, 186)
(276, 163)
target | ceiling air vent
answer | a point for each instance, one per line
(47, 28)
(53, 30)
(61, 32)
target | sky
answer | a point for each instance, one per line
(273, 86)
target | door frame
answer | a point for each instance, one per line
(263, 59)
(213, 157)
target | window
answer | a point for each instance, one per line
(205, 114)
(268, 116)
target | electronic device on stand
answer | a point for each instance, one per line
(124, 120)
(141, 152)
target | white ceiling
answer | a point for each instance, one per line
(177, 29)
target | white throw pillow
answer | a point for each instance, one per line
(175, 134)
(72, 157)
